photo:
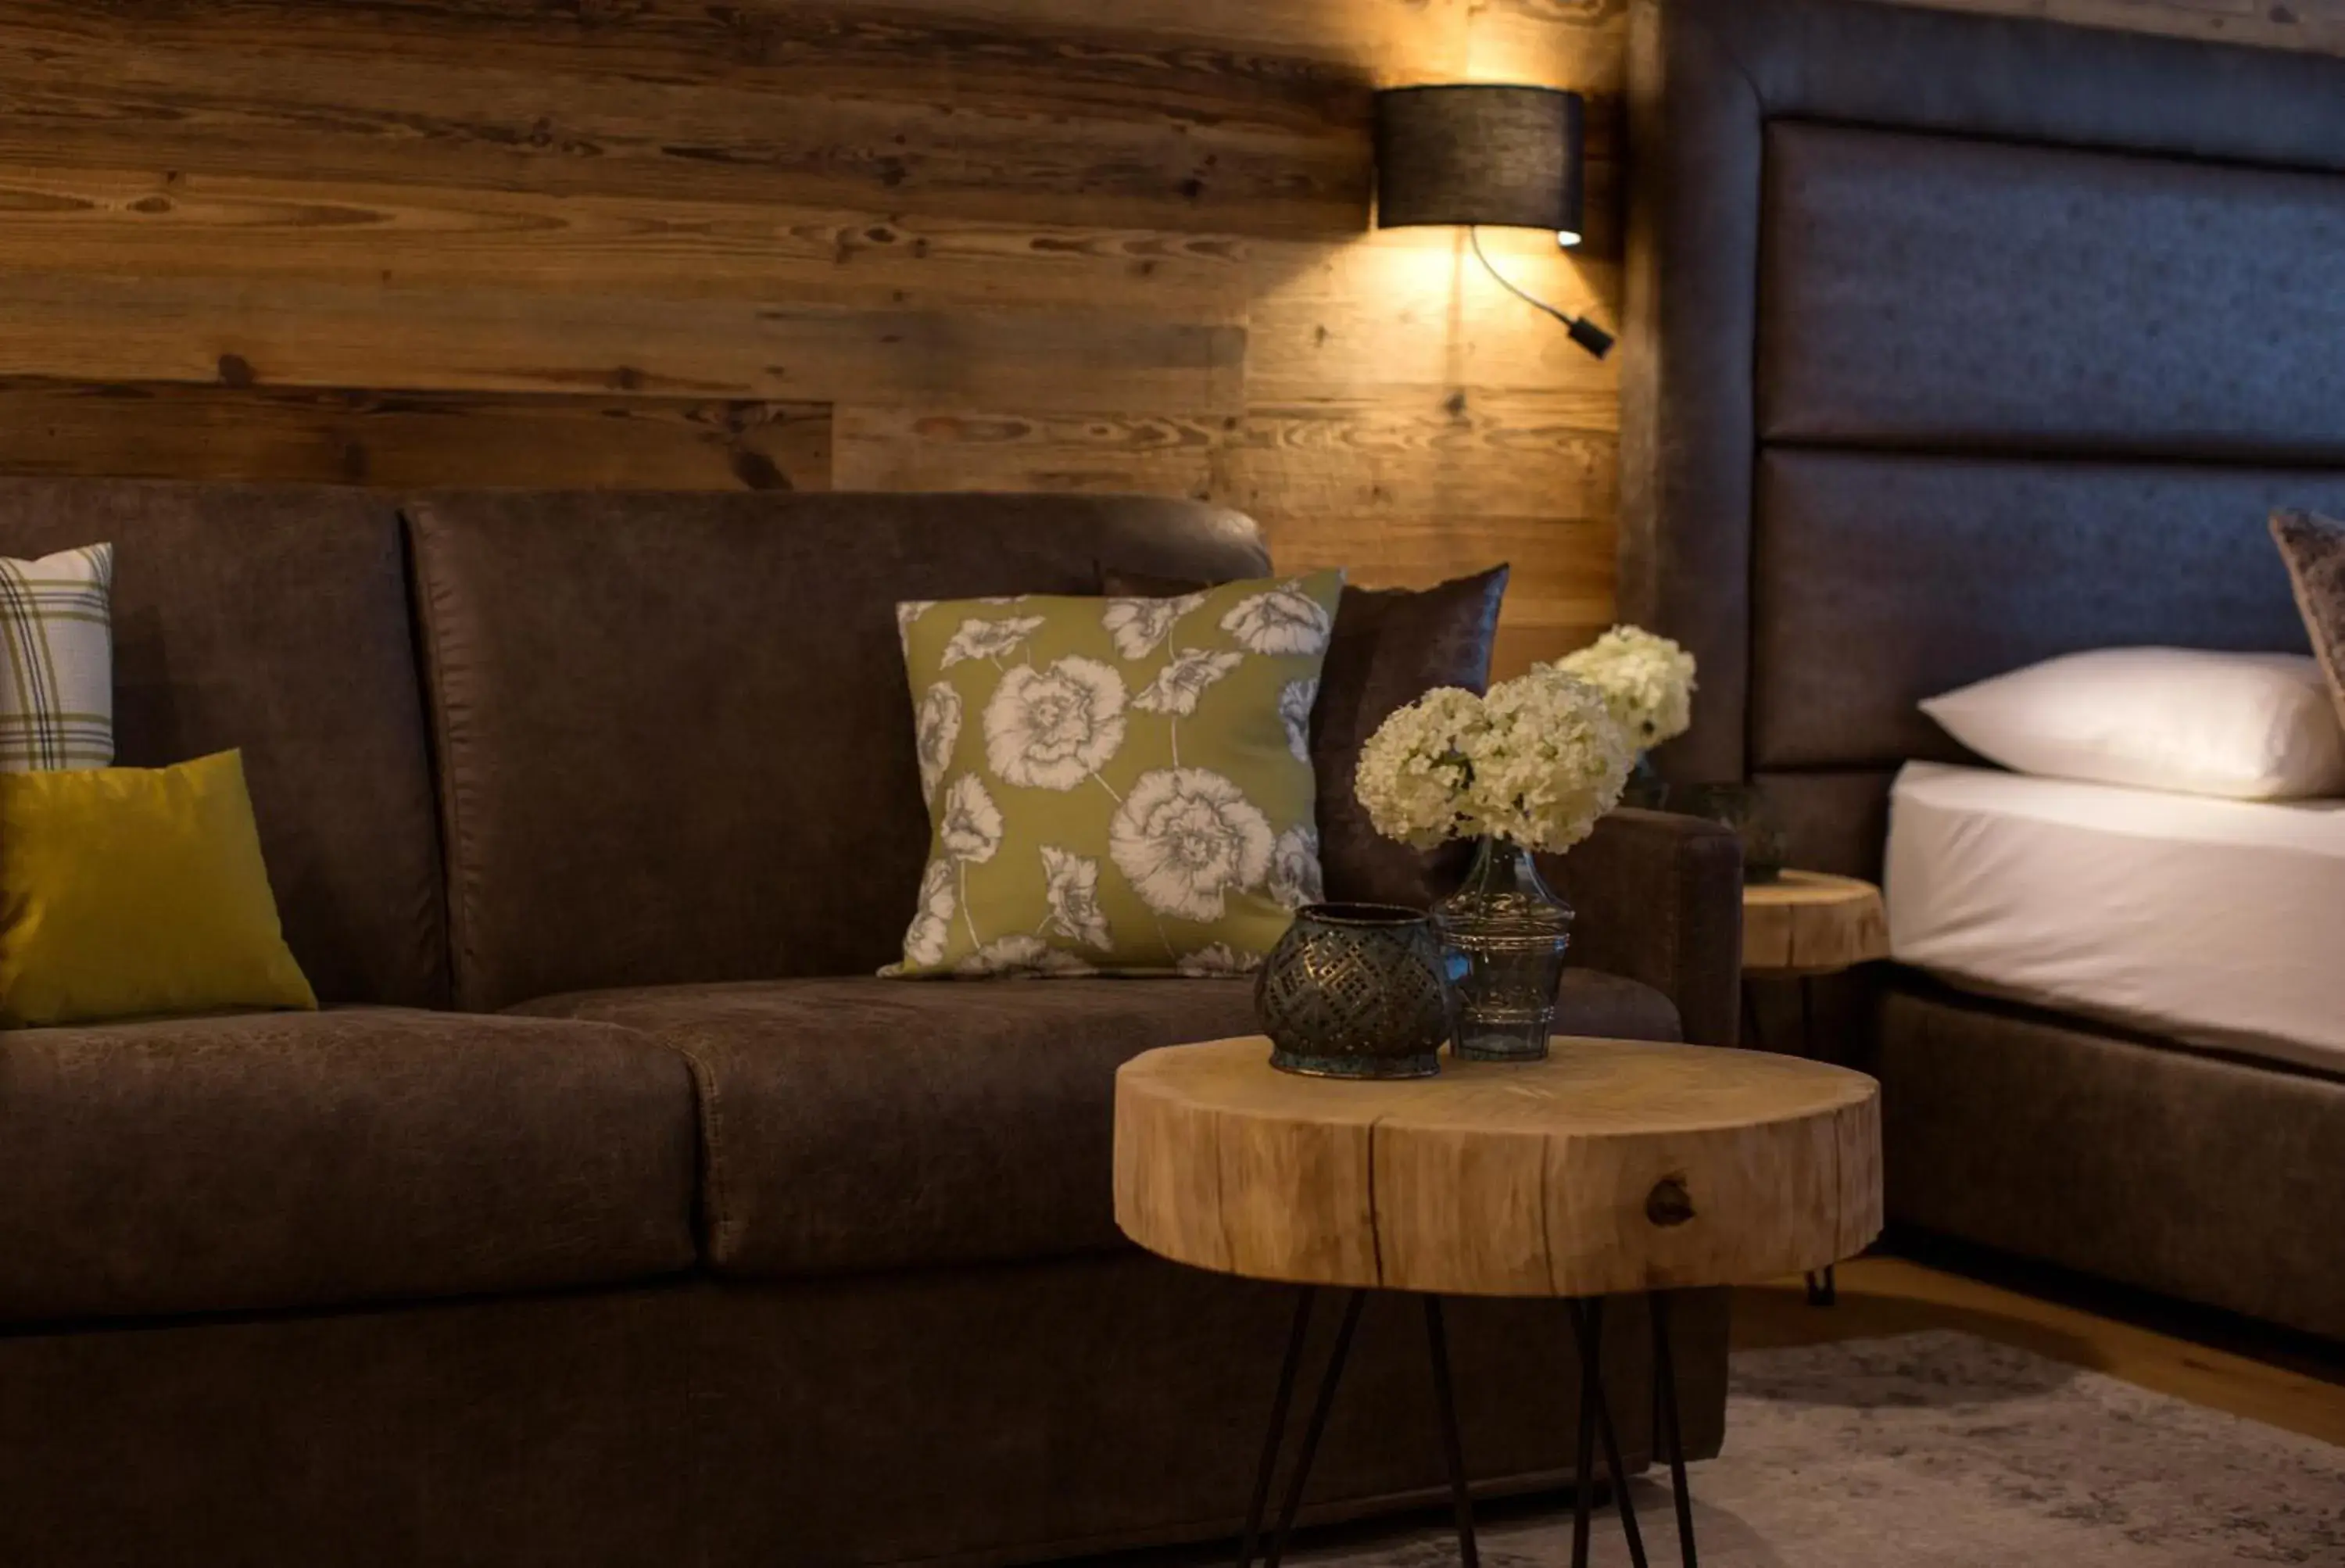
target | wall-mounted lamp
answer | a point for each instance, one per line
(1504, 156)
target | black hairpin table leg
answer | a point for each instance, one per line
(1596, 1409)
(1667, 1434)
(1583, 1478)
(1461, 1497)
(1596, 1427)
(1304, 1302)
(1314, 1427)
(1445, 1399)
(1822, 1290)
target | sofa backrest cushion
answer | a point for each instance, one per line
(676, 733)
(274, 620)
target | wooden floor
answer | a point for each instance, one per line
(2281, 1381)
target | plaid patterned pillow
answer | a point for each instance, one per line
(56, 661)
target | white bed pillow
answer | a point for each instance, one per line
(2251, 726)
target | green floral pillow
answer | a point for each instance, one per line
(1116, 786)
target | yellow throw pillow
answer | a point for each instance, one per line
(133, 891)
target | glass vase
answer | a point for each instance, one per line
(1503, 935)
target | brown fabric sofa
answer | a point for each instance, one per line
(612, 1213)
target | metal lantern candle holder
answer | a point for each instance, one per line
(1355, 990)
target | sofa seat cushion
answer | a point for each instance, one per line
(866, 1124)
(282, 1160)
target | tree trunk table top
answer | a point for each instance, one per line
(1811, 922)
(1613, 1166)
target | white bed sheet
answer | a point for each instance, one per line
(2220, 923)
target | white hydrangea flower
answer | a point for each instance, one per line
(1052, 728)
(937, 730)
(1549, 763)
(1538, 761)
(1020, 954)
(971, 830)
(1186, 838)
(1177, 688)
(1414, 771)
(1295, 874)
(1285, 620)
(1647, 680)
(978, 639)
(1216, 961)
(925, 941)
(1295, 703)
(1073, 891)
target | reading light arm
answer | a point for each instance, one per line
(1583, 332)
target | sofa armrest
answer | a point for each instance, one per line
(1658, 899)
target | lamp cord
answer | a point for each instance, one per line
(1508, 284)
(1585, 332)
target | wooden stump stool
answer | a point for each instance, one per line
(1614, 1166)
(1800, 928)
(1811, 922)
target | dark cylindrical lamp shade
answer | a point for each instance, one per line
(1502, 157)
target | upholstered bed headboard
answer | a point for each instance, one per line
(1954, 342)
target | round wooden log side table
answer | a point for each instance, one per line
(1802, 927)
(1613, 1167)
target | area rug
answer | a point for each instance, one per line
(1943, 1450)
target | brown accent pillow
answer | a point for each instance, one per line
(2314, 548)
(1389, 648)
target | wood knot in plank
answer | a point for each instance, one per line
(1669, 1203)
(756, 470)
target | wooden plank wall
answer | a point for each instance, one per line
(1052, 244)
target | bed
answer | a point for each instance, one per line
(1953, 344)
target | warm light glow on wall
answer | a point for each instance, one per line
(1478, 431)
